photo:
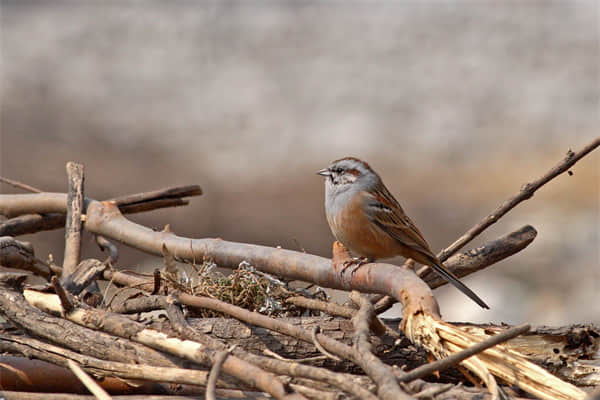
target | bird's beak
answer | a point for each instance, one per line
(324, 172)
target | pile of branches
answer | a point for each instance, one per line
(251, 334)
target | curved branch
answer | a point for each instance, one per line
(106, 220)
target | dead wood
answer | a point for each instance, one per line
(20, 255)
(123, 327)
(84, 274)
(382, 375)
(72, 336)
(22, 223)
(421, 321)
(33, 348)
(463, 264)
(73, 219)
(456, 358)
(23, 374)
(344, 382)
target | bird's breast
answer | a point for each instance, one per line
(354, 229)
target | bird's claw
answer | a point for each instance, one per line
(357, 262)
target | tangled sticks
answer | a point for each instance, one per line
(421, 323)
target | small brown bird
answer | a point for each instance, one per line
(365, 217)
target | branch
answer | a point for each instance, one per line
(124, 327)
(387, 386)
(73, 223)
(214, 373)
(19, 185)
(33, 348)
(455, 358)
(79, 339)
(490, 253)
(87, 380)
(28, 219)
(525, 193)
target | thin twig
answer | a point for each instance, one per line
(160, 194)
(378, 327)
(20, 185)
(218, 361)
(88, 382)
(105, 244)
(525, 193)
(298, 360)
(445, 363)
(156, 276)
(316, 329)
(73, 223)
(66, 303)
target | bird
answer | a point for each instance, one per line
(366, 218)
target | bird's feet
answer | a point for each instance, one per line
(342, 260)
(356, 263)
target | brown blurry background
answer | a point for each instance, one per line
(456, 104)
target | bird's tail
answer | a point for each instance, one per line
(450, 277)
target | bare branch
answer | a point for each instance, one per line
(455, 358)
(73, 223)
(387, 386)
(89, 383)
(525, 193)
(121, 326)
(214, 373)
(27, 219)
(19, 185)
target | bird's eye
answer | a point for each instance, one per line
(338, 170)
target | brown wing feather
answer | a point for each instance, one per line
(389, 216)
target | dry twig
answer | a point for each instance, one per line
(73, 225)
(89, 383)
(387, 386)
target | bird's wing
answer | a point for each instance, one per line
(385, 212)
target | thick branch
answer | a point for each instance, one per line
(490, 253)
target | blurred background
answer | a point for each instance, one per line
(456, 104)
